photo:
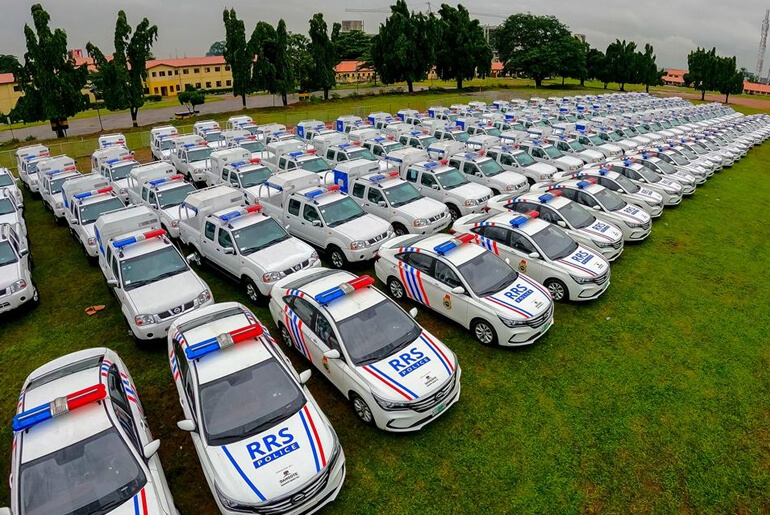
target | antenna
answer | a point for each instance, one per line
(762, 45)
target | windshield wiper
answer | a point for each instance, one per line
(251, 250)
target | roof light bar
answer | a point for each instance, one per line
(59, 406)
(224, 340)
(140, 237)
(93, 192)
(155, 182)
(359, 283)
(241, 212)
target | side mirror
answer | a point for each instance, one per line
(382, 203)
(332, 354)
(561, 223)
(304, 376)
(597, 208)
(229, 251)
(316, 223)
(287, 226)
(435, 186)
(458, 290)
(507, 261)
(186, 425)
(74, 221)
(23, 252)
(413, 312)
(151, 449)
(112, 283)
(534, 255)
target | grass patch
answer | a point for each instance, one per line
(651, 399)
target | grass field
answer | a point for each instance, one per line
(651, 399)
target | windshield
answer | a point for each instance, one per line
(166, 144)
(390, 147)
(641, 130)
(119, 172)
(427, 140)
(576, 146)
(698, 148)
(451, 179)
(174, 196)
(678, 159)
(92, 476)
(554, 242)
(198, 154)
(315, 164)
(57, 184)
(402, 194)
(6, 180)
(461, 136)
(489, 167)
(377, 332)
(611, 201)
(596, 140)
(612, 136)
(151, 267)
(252, 146)
(90, 212)
(7, 207)
(655, 126)
(577, 215)
(648, 174)
(341, 211)
(7, 255)
(665, 166)
(553, 152)
(524, 159)
(571, 118)
(665, 124)
(259, 236)
(254, 177)
(688, 153)
(213, 137)
(487, 274)
(247, 402)
(493, 132)
(361, 153)
(631, 131)
(626, 183)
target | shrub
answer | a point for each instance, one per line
(153, 98)
(30, 138)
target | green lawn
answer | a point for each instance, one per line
(651, 399)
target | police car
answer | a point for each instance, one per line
(51, 190)
(264, 444)
(670, 191)
(16, 286)
(467, 284)
(81, 443)
(543, 251)
(607, 205)
(9, 185)
(513, 159)
(628, 190)
(666, 171)
(482, 169)
(396, 374)
(86, 199)
(10, 213)
(547, 153)
(578, 222)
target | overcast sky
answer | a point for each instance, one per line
(188, 27)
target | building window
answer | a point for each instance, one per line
(154, 74)
(17, 88)
(216, 68)
(187, 85)
(156, 91)
(227, 67)
(198, 85)
(177, 87)
(208, 85)
(208, 70)
(197, 70)
(219, 83)
(185, 71)
(176, 72)
(229, 83)
(162, 74)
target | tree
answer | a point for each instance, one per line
(353, 45)
(301, 61)
(237, 54)
(594, 64)
(532, 45)
(701, 64)
(121, 79)
(728, 79)
(462, 51)
(620, 63)
(324, 53)
(49, 80)
(284, 75)
(649, 74)
(217, 48)
(572, 59)
(191, 97)
(9, 64)
(262, 45)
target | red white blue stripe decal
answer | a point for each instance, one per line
(242, 474)
(411, 278)
(596, 233)
(394, 385)
(312, 436)
(490, 245)
(438, 352)
(294, 324)
(511, 307)
(180, 338)
(105, 367)
(577, 267)
(296, 293)
(174, 366)
(532, 283)
(140, 503)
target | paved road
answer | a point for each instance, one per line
(117, 121)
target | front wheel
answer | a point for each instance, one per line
(337, 257)
(396, 288)
(557, 289)
(400, 230)
(363, 412)
(251, 290)
(285, 336)
(454, 213)
(484, 333)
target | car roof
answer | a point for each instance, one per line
(555, 202)
(347, 305)
(457, 256)
(530, 227)
(573, 184)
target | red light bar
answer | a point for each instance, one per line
(333, 187)
(482, 152)
(254, 209)
(466, 238)
(532, 213)
(246, 333)
(104, 190)
(86, 396)
(361, 282)
(444, 161)
(555, 192)
(311, 151)
(255, 160)
(154, 234)
(356, 143)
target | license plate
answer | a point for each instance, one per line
(438, 409)
(546, 326)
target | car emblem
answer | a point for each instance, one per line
(177, 310)
(523, 266)
(297, 498)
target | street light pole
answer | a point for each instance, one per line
(8, 121)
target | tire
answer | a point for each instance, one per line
(454, 213)
(337, 258)
(484, 333)
(35, 301)
(251, 291)
(557, 289)
(362, 410)
(396, 289)
(400, 230)
(285, 336)
(495, 192)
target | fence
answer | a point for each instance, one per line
(85, 146)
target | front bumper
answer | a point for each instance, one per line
(519, 336)
(582, 292)
(433, 228)
(265, 288)
(637, 233)
(610, 253)
(16, 300)
(160, 330)
(410, 420)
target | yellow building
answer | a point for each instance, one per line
(352, 72)
(167, 77)
(9, 93)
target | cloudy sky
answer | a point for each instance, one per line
(188, 27)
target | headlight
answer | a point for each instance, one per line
(358, 245)
(230, 503)
(573, 168)
(509, 322)
(421, 222)
(390, 406)
(91, 242)
(18, 286)
(653, 203)
(544, 176)
(471, 202)
(313, 257)
(122, 191)
(581, 280)
(633, 226)
(58, 205)
(602, 244)
(174, 223)
(204, 297)
(271, 277)
(141, 320)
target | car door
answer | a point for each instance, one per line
(372, 204)
(322, 338)
(522, 247)
(429, 187)
(453, 305)
(208, 240)
(291, 218)
(413, 269)
(298, 319)
(225, 254)
(312, 233)
(114, 273)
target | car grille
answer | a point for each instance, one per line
(520, 186)
(435, 399)
(173, 312)
(377, 238)
(436, 218)
(541, 319)
(3, 292)
(602, 278)
(484, 199)
(297, 268)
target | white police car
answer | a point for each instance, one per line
(81, 443)
(9, 185)
(398, 376)
(10, 213)
(543, 251)
(671, 191)
(467, 284)
(51, 190)
(578, 222)
(666, 171)
(607, 205)
(650, 201)
(16, 287)
(264, 444)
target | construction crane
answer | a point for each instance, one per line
(762, 45)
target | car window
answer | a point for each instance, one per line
(428, 180)
(412, 174)
(330, 154)
(446, 275)
(537, 152)
(144, 193)
(568, 193)
(521, 243)
(115, 269)
(323, 329)
(282, 163)
(507, 160)
(234, 180)
(498, 234)
(304, 310)
(419, 261)
(224, 174)
(609, 184)
(209, 230)
(375, 196)
(586, 199)
(310, 213)
(454, 163)
(224, 239)
(294, 207)
(115, 386)
(358, 190)
(151, 198)
(548, 214)
(469, 167)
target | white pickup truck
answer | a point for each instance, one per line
(159, 187)
(306, 129)
(482, 169)
(86, 199)
(191, 157)
(381, 146)
(244, 139)
(511, 158)
(9, 185)
(54, 175)
(348, 152)
(246, 176)
(211, 132)
(112, 140)
(242, 242)
(161, 142)
(151, 280)
(27, 160)
(324, 217)
(242, 122)
(116, 171)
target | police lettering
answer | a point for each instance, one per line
(598, 226)
(518, 293)
(582, 256)
(272, 447)
(406, 363)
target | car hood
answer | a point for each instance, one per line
(167, 293)
(145, 502)
(612, 149)
(593, 155)
(281, 256)
(275, 462)
(523, 300)
(602, 231)
(10, 218)
(415, 372)
(177, 213)
(569, 161)
(423, 208)
(9, 274)
(670, 185)
(647, 195)
(632, 214)
(584, 262)
(543, 168)
(363, 228)
(201, 165)
(507, 178)
(470, 190)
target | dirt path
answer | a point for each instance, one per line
(755, 103)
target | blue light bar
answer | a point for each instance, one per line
(380, 139)
(273, 185)
(329, 295)
(313, 194)
(110, 161)
(296, 154)
(377, 178)
(237, 164)
(518, 221)
(431, 164)
(583, 184)
(545, 198)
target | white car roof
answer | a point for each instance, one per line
(347, 305)
(530, 227)
(457, 256)
(556, 201)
